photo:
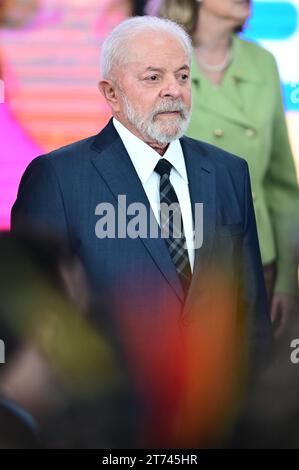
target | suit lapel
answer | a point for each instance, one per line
(224, 107)
(202, 187)
(115, 167)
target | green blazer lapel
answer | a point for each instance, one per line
(218, 98)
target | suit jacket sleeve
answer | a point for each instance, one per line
(40, 202)
(283, 197)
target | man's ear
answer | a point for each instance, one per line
(109, 91)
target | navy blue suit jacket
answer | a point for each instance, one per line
(61, 190)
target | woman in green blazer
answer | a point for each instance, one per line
(237, 105)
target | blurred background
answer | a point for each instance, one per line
(49, 68)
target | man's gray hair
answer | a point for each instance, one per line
(114, 49)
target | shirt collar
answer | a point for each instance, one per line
(144, 158)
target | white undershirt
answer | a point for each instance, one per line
(144, 159)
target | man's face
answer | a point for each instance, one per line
(154, 92)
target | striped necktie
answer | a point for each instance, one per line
(171, 223)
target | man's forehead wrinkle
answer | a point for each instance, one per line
(153, 68)
(145, 63)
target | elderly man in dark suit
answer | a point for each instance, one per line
(165, 228)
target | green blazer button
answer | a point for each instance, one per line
(218, 133)
(249, 132)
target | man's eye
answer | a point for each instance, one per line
(185, 77)
(152, 78)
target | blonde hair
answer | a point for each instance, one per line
(183, 12)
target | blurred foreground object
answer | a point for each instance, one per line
(60, 368)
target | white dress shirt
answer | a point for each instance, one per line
(145, 159)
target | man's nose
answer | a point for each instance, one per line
(171, 89)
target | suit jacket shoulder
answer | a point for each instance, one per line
(253, 56)
(217, 157)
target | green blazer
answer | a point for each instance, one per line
(245, 116)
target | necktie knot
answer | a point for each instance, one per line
(163, 167)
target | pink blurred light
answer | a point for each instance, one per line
(16, 151)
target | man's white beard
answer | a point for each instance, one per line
(161, 132)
